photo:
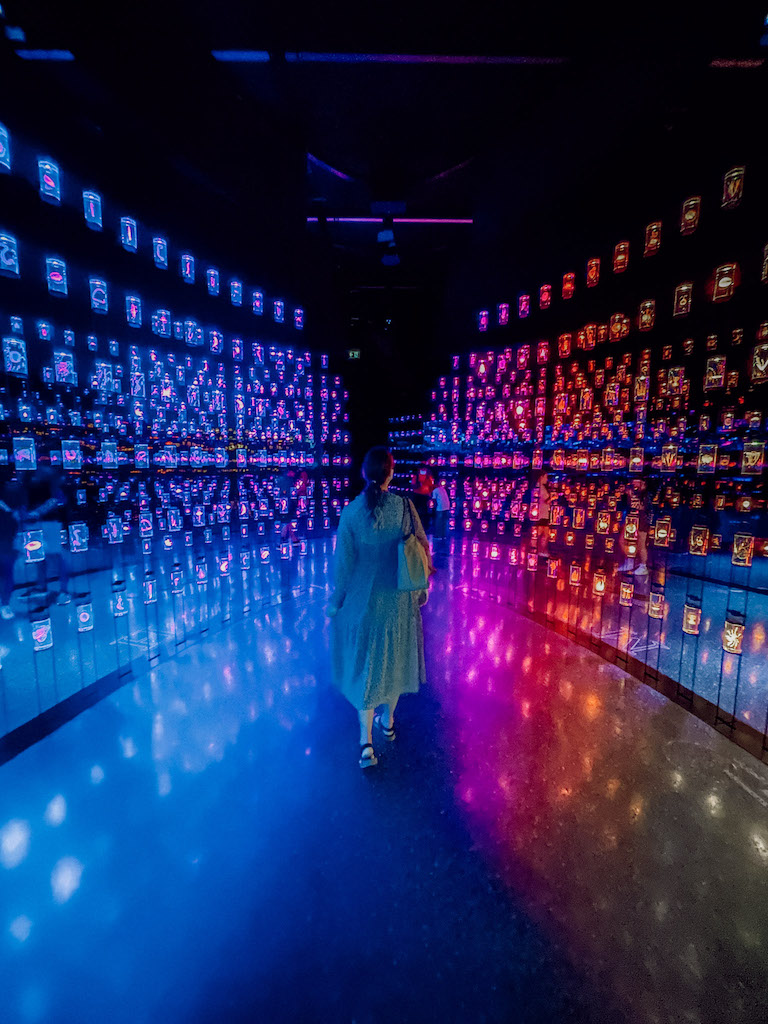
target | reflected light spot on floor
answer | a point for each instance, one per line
(14, 843)
(56, 811)
(20, 928)
(128, 746)
(65, 878)
(97, 774)
(714, 804)
(592, 706)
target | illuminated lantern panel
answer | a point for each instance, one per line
(743, 549)
(278, 311)
(669, 458)
(652, 238)
(129, 234)
(733, 632)
(656, 605)
(160, 252)
(598, 583)
(15, 360)
(759, 363)
(626, 594)
(9, 256)
(698, 540)
(569, 285)
(647, 315)
(92, 210)
(733, 188)
(5, 149)
(56, 276)
(683, 293)
(753, 458)
(726, 279)
(692, 616)
(593, 273)
(99, 296)
(84, 615)
(187, 267)
(662, 531)
(298, 318)
(503, 313)
(212, 280)
(689, 215)
(236, 292)
(620, 257)
(42, 635)
(133, 310)
(545, 296)
(49, 181)
(523, 306)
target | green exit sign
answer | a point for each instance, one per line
(353, 353)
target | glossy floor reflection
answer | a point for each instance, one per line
(547, 840)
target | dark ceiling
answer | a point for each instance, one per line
(535, 153)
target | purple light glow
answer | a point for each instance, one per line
(327, 167)
(395, 220)
(306, 57)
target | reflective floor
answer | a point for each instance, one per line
(547, 840)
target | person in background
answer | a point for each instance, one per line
(11, 514)
(286, 491)
(442, 511)
(539, 511)
(422, 492)
(635, 499)
(47, 510)
(377, 641)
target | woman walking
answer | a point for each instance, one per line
(377, 643)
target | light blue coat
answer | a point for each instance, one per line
(377, 641)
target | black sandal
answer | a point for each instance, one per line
(367, 760)
(388, 732)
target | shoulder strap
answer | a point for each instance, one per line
(407, 508)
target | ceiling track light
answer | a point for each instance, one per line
(307, 57)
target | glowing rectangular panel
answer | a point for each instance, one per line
(15, 356)
(9, 255)
(99, 295)
(5, 149)
(187, 267)
(133, 310)
(56, 275)
(160, 252)
(92, 210)
(49, 180)
(129, 234)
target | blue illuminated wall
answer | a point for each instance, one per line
(175, 404)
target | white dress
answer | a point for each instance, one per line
(377, 641)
